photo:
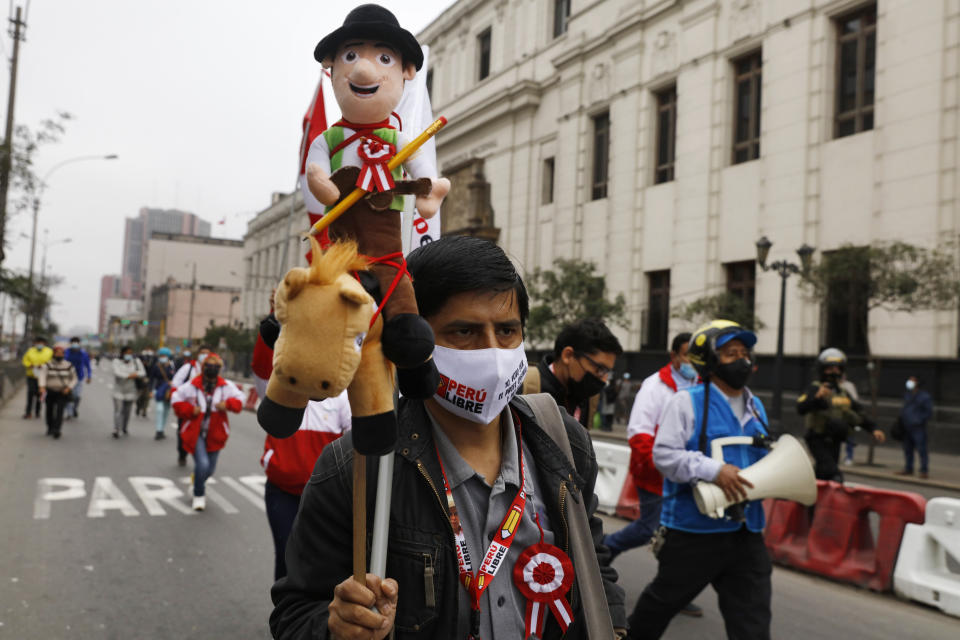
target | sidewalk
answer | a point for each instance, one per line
(887, 459)
(944, 468)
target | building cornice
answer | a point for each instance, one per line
(517, 98)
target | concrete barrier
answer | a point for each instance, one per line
(613, 460)
(928, 566)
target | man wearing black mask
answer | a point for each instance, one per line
(695, 550)
(583, 358)
(830, 414)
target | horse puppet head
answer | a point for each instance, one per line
(326, 343)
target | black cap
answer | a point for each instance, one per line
(372, 22)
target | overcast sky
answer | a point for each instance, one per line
(201, 99)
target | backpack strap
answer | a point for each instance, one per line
(595, 609)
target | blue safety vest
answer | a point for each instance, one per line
(679, 508)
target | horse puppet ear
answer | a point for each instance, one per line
(352, 291)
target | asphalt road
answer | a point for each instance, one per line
(114, 552)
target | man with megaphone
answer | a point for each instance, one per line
(694, 549)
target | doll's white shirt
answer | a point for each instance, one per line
(417, 165)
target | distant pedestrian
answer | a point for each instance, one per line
(56, 379)
(917, 410)
(161, 377)
(35, 356)
(144, 385)
(831, 415)
(80, 360)
(126, 371)
(202, 406)
(187, 371)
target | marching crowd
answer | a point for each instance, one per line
(699, 395)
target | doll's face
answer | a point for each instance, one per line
(368, 79)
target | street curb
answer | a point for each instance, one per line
(882, 475)
(616, 436)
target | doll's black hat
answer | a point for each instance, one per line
(372, 22)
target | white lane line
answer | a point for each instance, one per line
(215, 496)
(245, 492)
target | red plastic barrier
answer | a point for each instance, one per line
(839, 542)
(628, 504)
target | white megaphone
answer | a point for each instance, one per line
(784, 473)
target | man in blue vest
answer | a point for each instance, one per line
(695, 550)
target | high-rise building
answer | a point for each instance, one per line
(137, 234)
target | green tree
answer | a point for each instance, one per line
(896, 276)
(25, 185)
(723, 306)
(239, 343)
(569, 292)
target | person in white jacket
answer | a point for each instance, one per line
(126, 371)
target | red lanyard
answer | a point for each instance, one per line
(476, 584)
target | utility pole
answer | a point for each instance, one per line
(193, 297)
(17, 34)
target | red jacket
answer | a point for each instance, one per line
(653, 396)
(188, 396)
(289, 462)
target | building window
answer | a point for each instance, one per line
(658, 310)
(483, 48)
(547, 181)
(856, 67)
(746, 137)
(561, 13)
(601, 155)
(742, 281)
(666, 134)
(430, 83)
(846, 309)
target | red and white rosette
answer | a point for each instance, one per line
(374, 174)
(544, 574)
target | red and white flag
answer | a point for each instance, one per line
(314, 123)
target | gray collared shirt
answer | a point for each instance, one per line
(481, 509)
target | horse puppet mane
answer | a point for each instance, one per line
(326, 266)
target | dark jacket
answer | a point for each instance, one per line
(319, 548)
(550, 384)
(160, 376)
(832, 418)
(917, 409)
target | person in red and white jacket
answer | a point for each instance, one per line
(189, 370)
(653, 396)
(289, 462)
(202, 406)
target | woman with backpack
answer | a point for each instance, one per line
(161, 378)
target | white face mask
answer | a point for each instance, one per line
(477, 384)
(128, 357)
(162, 359)
(201, 358)
(911, 385)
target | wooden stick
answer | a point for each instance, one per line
(360, 518)
(395, 162)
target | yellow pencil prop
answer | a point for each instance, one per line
(396, 161)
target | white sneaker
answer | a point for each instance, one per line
(848, 462)
(199, 503)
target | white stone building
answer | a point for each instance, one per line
(661, 139)
(263, 251)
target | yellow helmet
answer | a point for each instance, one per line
(706, 340)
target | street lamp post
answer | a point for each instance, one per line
(36, 210)
(784, 269)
